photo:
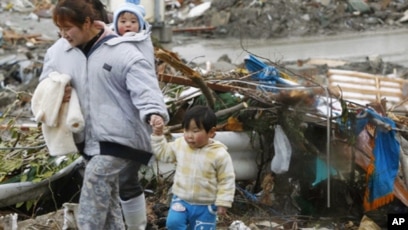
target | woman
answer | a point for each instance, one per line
(118, 92)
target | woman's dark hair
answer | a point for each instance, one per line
(100, 11)
(76, 12)
(203, 116)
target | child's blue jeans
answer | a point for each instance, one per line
(183, 215)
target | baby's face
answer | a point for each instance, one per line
(128, 22)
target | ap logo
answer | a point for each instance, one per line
(397, 221)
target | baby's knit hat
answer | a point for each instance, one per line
(132, 6)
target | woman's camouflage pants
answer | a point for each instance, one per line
(99, 205)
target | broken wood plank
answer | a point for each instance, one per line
(22, 127)
(188, 82)
(195, 76)
(369, 92)
(194, 29)
(353, 85)
(11, 35)
(351, 73)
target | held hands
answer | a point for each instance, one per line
(157, 124)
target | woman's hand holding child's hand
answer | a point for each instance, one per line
(157, 124)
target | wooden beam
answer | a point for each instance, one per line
(194, 29)
(188, 82)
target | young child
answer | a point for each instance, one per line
(204, 181)
(129, 17)
(128, 22)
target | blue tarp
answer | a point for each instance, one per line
(383, 168)
(262, 72)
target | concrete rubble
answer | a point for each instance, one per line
(276, 19)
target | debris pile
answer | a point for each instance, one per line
(331, 125)
(260, 96)
(276, 19)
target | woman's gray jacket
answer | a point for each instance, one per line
(118, 90)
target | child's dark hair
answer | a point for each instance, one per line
(76, 12)
(203, 116)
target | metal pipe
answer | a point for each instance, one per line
(328, 120)
(157, 14)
